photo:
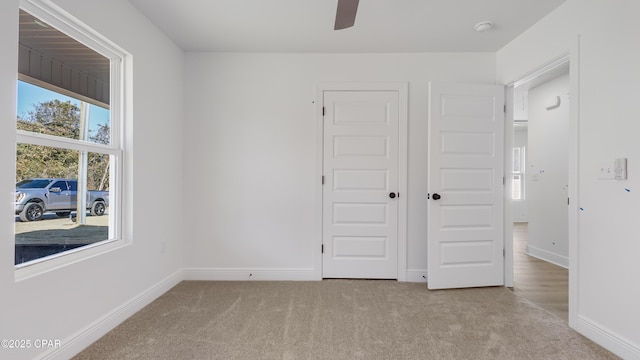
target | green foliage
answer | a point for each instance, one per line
(60, 119)
(55, 118)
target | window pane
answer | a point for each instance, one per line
(48, 112)
(517, 187)
(45, 216)
(59, 186)
(516, 160)
(33, 184)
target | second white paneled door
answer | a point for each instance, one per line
(465, 213)
(361, 188)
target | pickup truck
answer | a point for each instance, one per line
(34, 197)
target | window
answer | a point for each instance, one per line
(32, 184)
(59, 186)
(69, 140)
(518, 173)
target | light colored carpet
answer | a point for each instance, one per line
(340, 319)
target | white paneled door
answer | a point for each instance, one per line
(465, 211)
(360, 191)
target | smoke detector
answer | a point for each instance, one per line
(483, 26)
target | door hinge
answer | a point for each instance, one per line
(322, 249)
(322, 179)
(567, 201)
(504, 182)
(323, 111)
(504, 252)
(505, 108)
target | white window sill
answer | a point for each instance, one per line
(51, 263)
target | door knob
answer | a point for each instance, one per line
(436, 196)
(392, 195)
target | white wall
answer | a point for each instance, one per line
(605, 307)
(252, 154)
(520, 208)
(63, 303)
(548, 172)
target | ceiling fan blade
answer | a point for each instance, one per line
(346, 14)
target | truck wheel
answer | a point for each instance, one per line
(63, 213)
(32, 212)
(98, 208)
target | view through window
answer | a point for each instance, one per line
(66, 151)
(518, 174)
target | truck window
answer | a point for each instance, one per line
(33, 184)
(73, 185)
(62, 185)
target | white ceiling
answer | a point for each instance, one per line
(307, 25)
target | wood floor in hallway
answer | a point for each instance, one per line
(542, 283)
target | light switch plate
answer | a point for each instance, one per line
(606, 171)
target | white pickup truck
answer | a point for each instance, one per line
(34, 197)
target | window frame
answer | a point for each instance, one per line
(120, 63)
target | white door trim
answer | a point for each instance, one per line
(403, 100)
(574, 181)
(508, 186)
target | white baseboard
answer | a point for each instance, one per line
(239, 274)
(85, 337)
(417, 275)
(606, 338)
(548, 256)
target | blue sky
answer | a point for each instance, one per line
(29, 95)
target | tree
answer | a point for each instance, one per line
(54, 117)
(60, 119)
(102, 135)
(98, 164)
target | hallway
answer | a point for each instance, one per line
(542, 283)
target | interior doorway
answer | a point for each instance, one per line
(540, 187)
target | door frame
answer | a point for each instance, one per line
(573, 58)
(402, 88)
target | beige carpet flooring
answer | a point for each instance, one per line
(340, 319)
